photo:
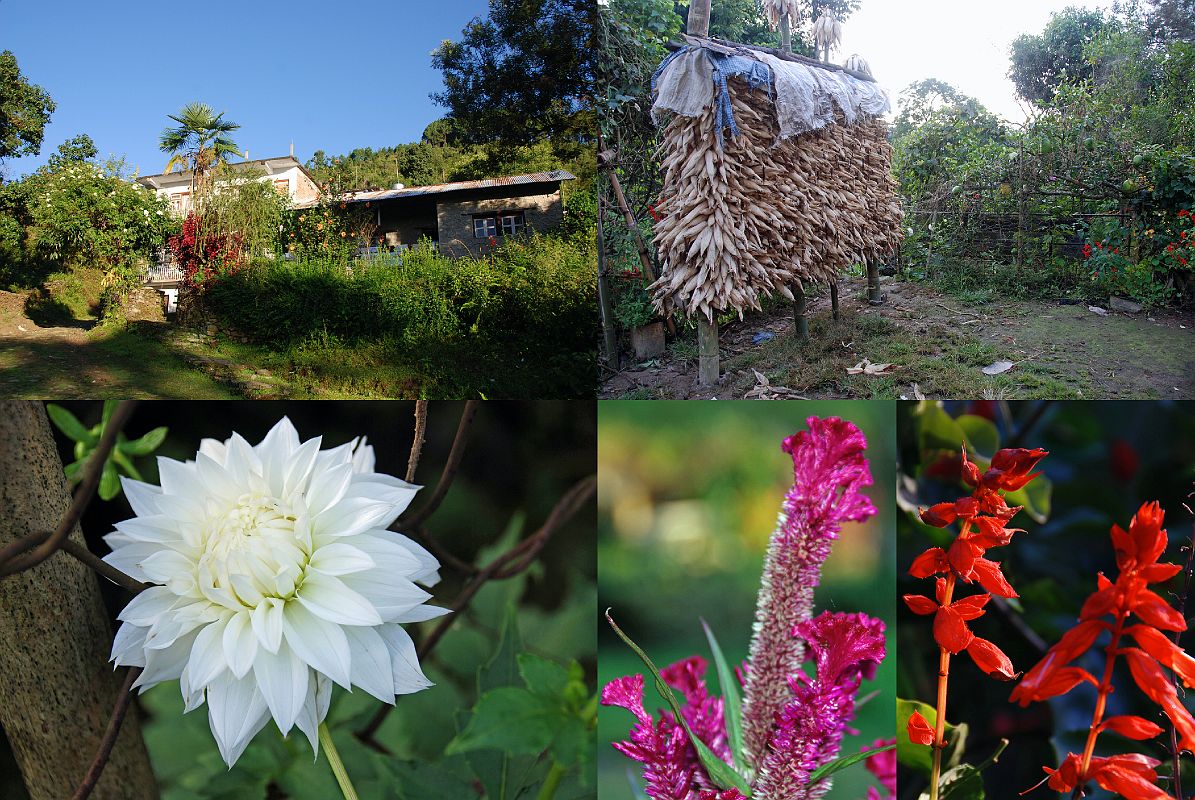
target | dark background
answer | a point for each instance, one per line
(1106, 459)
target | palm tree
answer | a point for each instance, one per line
(200, 141)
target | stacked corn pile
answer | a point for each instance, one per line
(752, 218)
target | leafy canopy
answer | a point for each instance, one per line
(25, 110)
(200, 141)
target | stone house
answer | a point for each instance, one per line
(464, 218)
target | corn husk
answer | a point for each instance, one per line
(758, 216)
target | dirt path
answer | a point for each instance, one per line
(938, 345)
(67, 362)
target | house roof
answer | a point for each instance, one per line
(278, 163)
(554, 176)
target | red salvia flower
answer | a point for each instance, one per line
(919, 729)
(1137, 553)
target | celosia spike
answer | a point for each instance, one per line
(829, 472)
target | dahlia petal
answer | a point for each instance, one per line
(320, 643)
(240, 644)
(283, 679)
(169, 567)
(143, 497)
(329, 597)
(214, 449)
(408, 676)
(166, 664)
(236, 712)
(390, 596)
(240, 461)
(297, 471)
(278, 443)
(168, 628)
(147, 606)
(340, 559)
(329, 489)
(128, 646)
(420, 613)
(352, 516)
(207, 659)
(267, 624)
(429, 572)
(371, 667)
(363, 455)
(216, 480)
(127, 555)
(176, 477)
(157, 528)
(389, 552)
(315, 709)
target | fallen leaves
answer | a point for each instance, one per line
(997, 367)
(764, 390)
(865, 367)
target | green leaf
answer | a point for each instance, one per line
(1035, 497)
(543, 677)
(730, 698)
(826, 770)
(69, 424)
(126, 466)
(109, 407)
(958, 783)
(919, 757)
(721, 773)
(939, 431)
(147, 444)
(512, 720)
(982, 437)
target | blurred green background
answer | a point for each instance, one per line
(688, 495)
(1106, 459)
(521, 457)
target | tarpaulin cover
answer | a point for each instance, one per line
(807, 97)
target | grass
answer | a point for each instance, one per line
(942, 361)
(983, 282)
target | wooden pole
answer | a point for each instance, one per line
(834, 298)
(609, 335)
(786, 34)
(800, 321)
(707, 329)
(57, 686)
(873, 283)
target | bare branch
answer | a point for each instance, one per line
(417, 442)
(123, 699)
(448, 475)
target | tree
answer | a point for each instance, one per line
(1172, 20)
(25, 110)
(1041, 63)
(523, 74)
(200, 141)
(80, 148)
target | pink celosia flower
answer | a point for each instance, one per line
(808, 733)
(660, 747)
(829, 470)
(883, 766)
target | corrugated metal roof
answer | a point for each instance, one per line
(554, 176)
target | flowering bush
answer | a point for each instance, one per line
(781, 740)
(203, 255)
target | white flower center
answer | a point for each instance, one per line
(251, 551)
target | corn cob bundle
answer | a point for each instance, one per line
(755, 217)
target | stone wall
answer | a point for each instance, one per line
(455, 218)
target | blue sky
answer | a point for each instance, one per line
(330, 76)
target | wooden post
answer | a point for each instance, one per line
(58, 687)
(800, 321)
(873, 283)
(707, 329)
(609, 335)
(707, 352)
(834, 298)
(786, 36)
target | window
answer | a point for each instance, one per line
(180, 202)
(282, 186)
(484, 227)
(504, 223)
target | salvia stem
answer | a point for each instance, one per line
(342, 777)
(943, 679)
(1102, 698)
(551, 782)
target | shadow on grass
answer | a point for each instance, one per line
(123, 363)
(47, 311)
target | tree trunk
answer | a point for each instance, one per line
(57, 689)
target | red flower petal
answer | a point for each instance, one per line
(920, 605)
(1126, 777)
(1155, 611)
(939, 515)
(962, 555)
(1147, 533)
(950, 631)
(1165, 651)
(930, 562)
(992, 532)
(1131, 727)
(1049, 683)
(1156, 573)
(971, 607)
(1099, 603)
(919, 730)
(966, 507)
(991, 659)
(988, 573)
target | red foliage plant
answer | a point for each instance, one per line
(1108, 609)
(203, 255)
(983, 518)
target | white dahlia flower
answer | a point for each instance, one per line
(275, 577)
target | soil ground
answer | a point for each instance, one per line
(937, 346)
